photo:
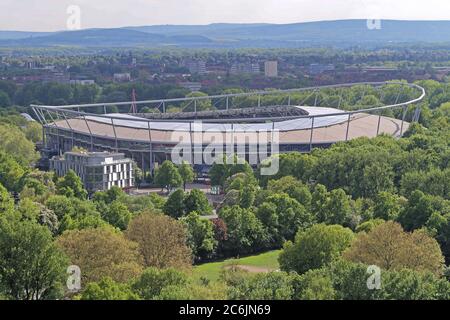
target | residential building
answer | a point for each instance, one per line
(271, 69)
(237, 68)
(317, 68)
(196, 66)
(122, 77)
(82, 81)
(98, 170)
(192, 86)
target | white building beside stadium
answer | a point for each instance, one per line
(98, 170)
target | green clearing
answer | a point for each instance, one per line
(211, 271)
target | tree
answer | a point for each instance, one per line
(117, 215)
(73, 213)
(294, 188)
(319, 200)
(247, 196)
(167, 176)
(439, 225)
(220, 172)
(108, 289)
(350, 283)
(110, 195)
(200, 235)
(10, 172)
(37, 212)
(245, 233)
(350, 280)
(138, 175)
(33, 131)
(193, 291)
(197, 201)
(263, 286)
(81, 222)
(100, 253)
(174, 205)
(369, 225)
(377, 177)
(15, 143)
(4, 99)
(315, 284)
(60, 205)
(186, 172)
(6, 202)
(337, 207)
(419, 209)
(71, 186)
(293, 164)
(283, 217)
(408, 284)
(331, 207)
(31, 265)
(161, 239)
(390, 248)
(239, 181)
(387, 206)
(315, 247)
(40, 183)
(430, 182)
(153, 280)
(220, 230)
(241, 190)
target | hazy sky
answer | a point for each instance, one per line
(49, 15)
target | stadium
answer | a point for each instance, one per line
(290, 120)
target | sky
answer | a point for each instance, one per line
(51, 15)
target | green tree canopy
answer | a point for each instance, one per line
(315, 247)
(31, 265)
(153, 280)
(174, 205)
(197, 201)
(186, 172)
(14, 142)
(71, 186)
(245, 232)
(11, 172)
(108, 289)
(167, 176)
(201, 237)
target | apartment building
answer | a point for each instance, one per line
(98, 170)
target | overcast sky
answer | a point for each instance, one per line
(50, 15)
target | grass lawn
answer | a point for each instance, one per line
(211, 271)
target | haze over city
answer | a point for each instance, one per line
(51, 15)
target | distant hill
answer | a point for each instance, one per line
(101, 38)
(338, 33)
(20, 34)
(323, 31)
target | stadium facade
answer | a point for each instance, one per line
(150, 138)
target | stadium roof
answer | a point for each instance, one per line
(286, 125)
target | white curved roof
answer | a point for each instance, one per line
(286, 125)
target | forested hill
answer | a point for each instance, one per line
(338, 33)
